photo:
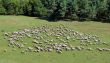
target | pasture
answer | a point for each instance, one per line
(16, 23)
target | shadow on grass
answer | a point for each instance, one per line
(71, 20)
(56, 20)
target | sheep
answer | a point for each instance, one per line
(15, 33)
(5, 50)
(30, 49)
(28, 35)
(72, 48)
(78, 48)
(89, 49)
(12, 42)
(35, 51)
(99, 49)
(52, 40)
(67, 48)
(63, 34)
(22, 46)
(49, 50)
(67, 37)
(35, 41)
(6, 34)
(22, 52)
(106, 49)
(104, 43)
(59, 51)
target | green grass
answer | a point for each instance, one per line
(14, 23)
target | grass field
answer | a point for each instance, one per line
(13, 23)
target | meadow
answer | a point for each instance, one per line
(14, 23)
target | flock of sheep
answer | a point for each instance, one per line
(50, 38)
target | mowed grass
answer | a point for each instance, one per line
(14, 23)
